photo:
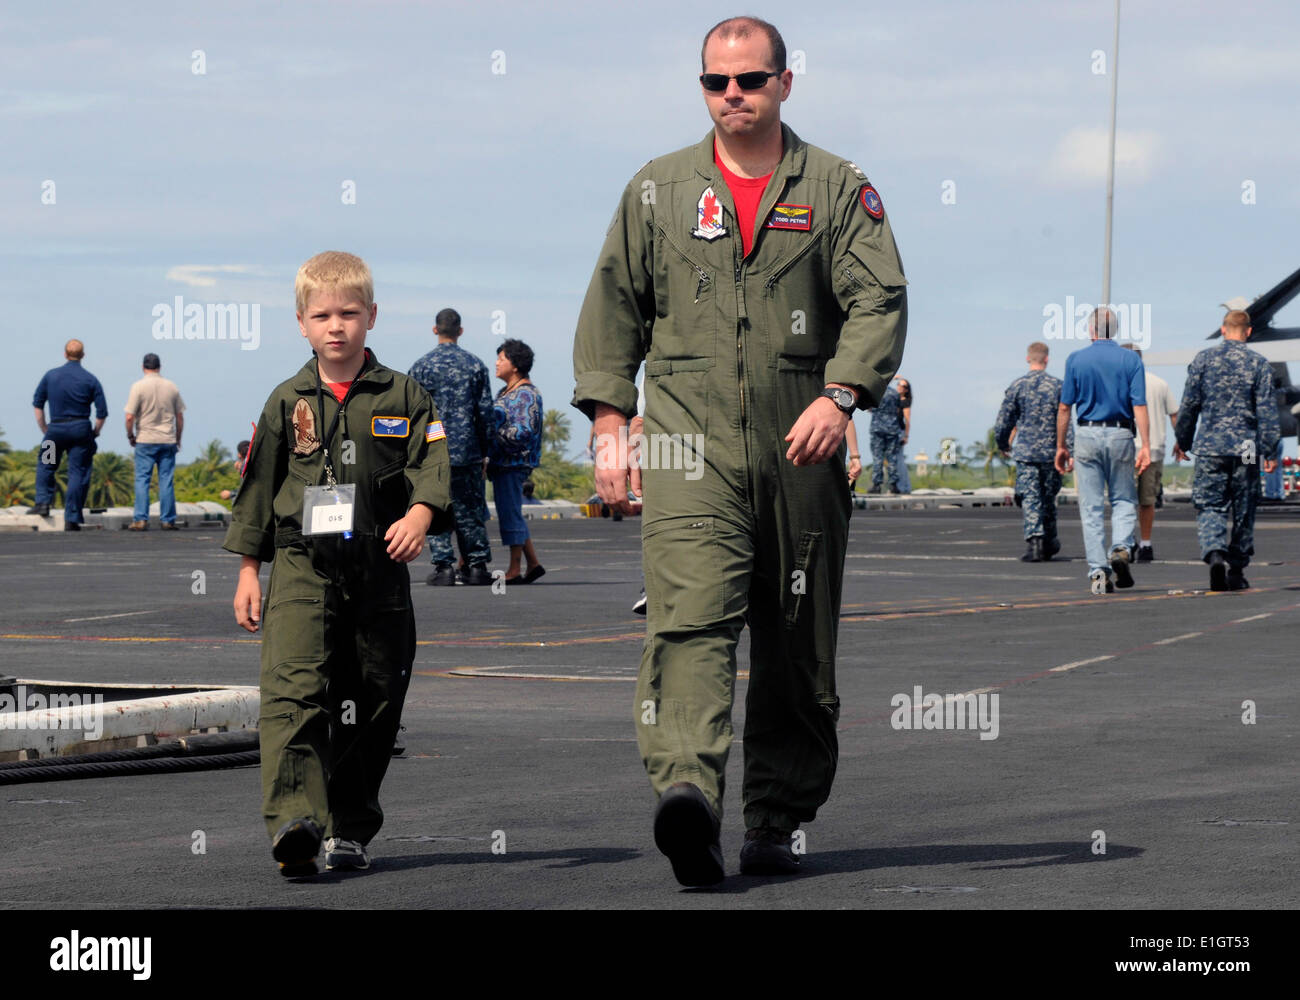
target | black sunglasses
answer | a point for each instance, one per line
(717, 82)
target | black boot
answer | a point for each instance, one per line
(1051, 546)
(1218, 562)
(1033, 550)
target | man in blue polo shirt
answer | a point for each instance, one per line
(1108, 385)
(69, 390)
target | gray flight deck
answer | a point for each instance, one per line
(1119, 717)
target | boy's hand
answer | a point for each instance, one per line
(248, 595)
(406, 537)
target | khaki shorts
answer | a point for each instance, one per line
(1149, 484)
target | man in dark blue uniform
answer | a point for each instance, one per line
(69, 390)
(462, 391)
(1230, 389)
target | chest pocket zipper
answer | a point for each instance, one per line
(789, 262)
(699, 270)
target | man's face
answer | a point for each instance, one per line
(335, 325)
(737, 112)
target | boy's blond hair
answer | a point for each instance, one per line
(336, 271)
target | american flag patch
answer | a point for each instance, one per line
(435, 431)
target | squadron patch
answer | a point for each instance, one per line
(708, 225)
(797, 217)
(390, 427)
(871, 202)
(434, 431)
(305, 438)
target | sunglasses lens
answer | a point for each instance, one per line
(752, 81)
(713, 81)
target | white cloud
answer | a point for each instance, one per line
(1080, 155)
(199, 275)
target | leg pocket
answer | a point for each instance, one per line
(695, 575)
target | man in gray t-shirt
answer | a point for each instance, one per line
(154, 423)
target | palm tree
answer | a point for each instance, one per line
(987, 453)
(112, 481)
(555, 431)
(18, 487)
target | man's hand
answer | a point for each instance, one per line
(1179, 454)
(1143, 459)
(616, 467)
(1064, 461)
(248, 595)
(817, 433)
(406, 537)
(855, 470)
(1270, 465)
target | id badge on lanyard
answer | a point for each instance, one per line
(327, 510)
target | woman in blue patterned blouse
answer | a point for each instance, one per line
(514, 451)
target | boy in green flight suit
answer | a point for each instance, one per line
(347, 469)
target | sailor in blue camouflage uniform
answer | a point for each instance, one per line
(1230, 387)
(462, 391)
(1029, 409)
(886, 439)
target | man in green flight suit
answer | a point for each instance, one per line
(758, 279)
(347, 469)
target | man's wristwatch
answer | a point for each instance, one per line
(845, 399)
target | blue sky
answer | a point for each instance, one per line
(491, 191)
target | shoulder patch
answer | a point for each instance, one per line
(871, 202)
(434, 432)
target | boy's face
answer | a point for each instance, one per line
(335, 325)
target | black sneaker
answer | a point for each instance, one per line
(874, 491)
(1099, 583)
(1033, 550)
(40, 510)
(639, 607)
(768, 851)
(1119, 560)
(475, 575)
(1218, 570)
(71, 525)
(1146, 553)
(687, 831)
(1051, 546)
(1236, 581)
(443, 576)
(295, 846)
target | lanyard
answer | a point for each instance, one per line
(329, 434)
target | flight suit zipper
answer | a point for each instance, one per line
(769, 287)
(698, 268)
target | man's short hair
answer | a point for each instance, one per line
(743, 27)
(241, 449)
(518, 354)
(1103, 323)
(75, 350)
(448, 322)
(334, 271)
(151, 362)
(1037, 352)
(1238, 319)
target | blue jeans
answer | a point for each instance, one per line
(508, 493)
(146, 457)
(75, 439)
(1103, 462)
(1273, 480)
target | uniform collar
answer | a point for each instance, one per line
(371, 371)
(793, 156)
